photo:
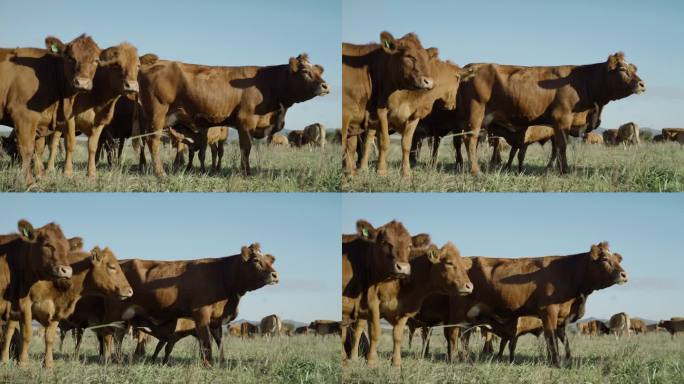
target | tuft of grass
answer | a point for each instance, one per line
(646, 358)
(593, 168)
(275, 169)
(298, 359)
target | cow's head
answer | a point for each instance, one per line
(408, 60)
(448, 274)
(121, 66)
(256, 268)
(305, 80)
(622, 79)
(80, 57)
(390, 247)
(447, 79)
(106, 277)
(604, 267)
(47, 250)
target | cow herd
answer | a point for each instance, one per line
(114, 93)
(400, 86)
(46, 277)
(387, 273)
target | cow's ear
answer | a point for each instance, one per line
(270, 257)
(389, 44)
(366, 231)
(148, 58)
(246, 253)
(96, 255)
(75, 243)
(433, 52)
(595, 252)
(54, 45)
(434, 254)
(420, 240)
(615, 59)
(26, 231)
(109, 56)
(319, 68)
(618, 257)
(294, 65)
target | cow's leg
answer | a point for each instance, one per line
(502, 346)
(496, 156)
(561, 142)
(157, 349)
(454, 336)
(562, 335)
(511, 348)
(367, 148)
(521, 157)
(54, 148)
(62, 336)
(167, 351)
(550, 320)
(416, 144)
(511, 156)
(26, 331)
(39, 151)
(245, 140)
(119, 155)
(475, 122)
(92, 148)
(425, 341)
(217, 334)
(202, 318)
(26, 139)
(397, 335)
(552, 158)
(375, 331)
(9, 328)
(156, 125)
(79, 338)
(202, 155)
(49, 342)
(359, 326)
(458, 161)
(221, 149)
(70, 146)
(436, 140)
(406, 140)
(383, 127)
(191, 158)
(214, 156)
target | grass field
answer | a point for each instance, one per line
(648, 358)
(299, 359)
(275, 169)
(651, 167)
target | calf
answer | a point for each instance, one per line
(519, 141)
(187, 139)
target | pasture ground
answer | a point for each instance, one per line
(646, 358)
(593, 168)
(275, 169)
(297, 359)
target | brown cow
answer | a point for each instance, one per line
(597, 328)
(203, 96)
(304, 330)
(248, 329)
(673, 134)
(432, 271)
(314, 134)
(509, 288)
(628, 134)
(94, 273)
(619, 324)
(519, 141)
(38, 87)
(278, 139)
(517, 97)
(296, 138)
(610, 137)
(186, 139)
(116, 75)
(370, 73)
(659, 138)
(169, 334)
(405, 108)
(234, 330)
(674, 325)
(637, 325)
(325, 327)
(369, 258)
(224, 281)
(592, 138)
(271, 325)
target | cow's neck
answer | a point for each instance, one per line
(81, 277)
(418, 286)
(594, 76)
(234, 283)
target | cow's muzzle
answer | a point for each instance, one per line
(640, 87)
(621, 278)
(62, 271)
(425, 83)
(82, 84)
(274, 278)
(402, 270)
(125, 293)
(131, 87)
(323, 89)
(465, 289)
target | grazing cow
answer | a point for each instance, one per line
(405, 108)
(628, 134)
(597, 328)
(296, 138)
(94, 273)
(637, 326)
(509, 288)
(203, 96)
(517, 97)
(271, 325)
(592, 138)
(38, 87)
(278, 139)
(325, 327)
(659, 138)
(314, 134)
(583, 328)
(610, 137)
(116, 75)
(370, 74)
(519, 141)
(369, 258)
(248, 329)
(433, 271)
(234, 330)
(619, 324)
(674, 325)
(167, 290)
(673, 134)
(304, 330)
(187, 139)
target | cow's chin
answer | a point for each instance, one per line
(130, 95)
(619, 281)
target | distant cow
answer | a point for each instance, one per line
(597, 328)
(248, 329)
(628, 134)
(278, 139)
(610, 137)
(593, 138)
(619, 324)
(271, 325)
(673, 134)
(234, 330)
(187, 139)
(302, 330)
(674, 325)
(637, 326)
(314, 134)
(325, 327)
(296, 138)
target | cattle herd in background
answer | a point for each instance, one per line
(408, 280)
(77, 87)
(398, 86)
(46, 277)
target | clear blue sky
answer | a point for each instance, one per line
(645, 228)
(539, 32)
(301, 230)
(255, 32)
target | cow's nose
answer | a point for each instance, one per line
(127, 292)
(402, 269)
(467, 288)
(642, 86)
(623, 276)
(324, 89)
(426, 83)
(274, 277)
(82, 84)
(63, 271)
(131, 86)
